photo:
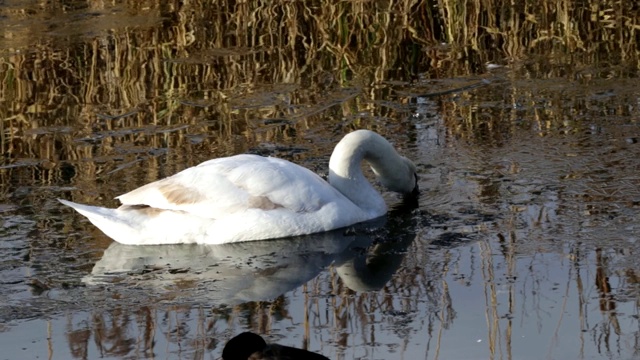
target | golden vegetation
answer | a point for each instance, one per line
(203, 76)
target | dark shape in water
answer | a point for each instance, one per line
(250, 346)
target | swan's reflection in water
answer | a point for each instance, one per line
(372, 269)
(165, 287)
(365, 258)
(223, 274)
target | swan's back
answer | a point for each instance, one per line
(220, 187)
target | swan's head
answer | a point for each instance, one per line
(404, 178)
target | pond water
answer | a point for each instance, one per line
(525, 130)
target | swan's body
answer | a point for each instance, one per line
(250, 197)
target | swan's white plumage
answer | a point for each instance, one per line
(250, 197)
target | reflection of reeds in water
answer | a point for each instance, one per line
(328, 304)
(206, 65)
(509, 302)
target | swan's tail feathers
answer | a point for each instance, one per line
(91, 212)
(109, 221)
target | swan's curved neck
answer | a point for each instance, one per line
(345, 171)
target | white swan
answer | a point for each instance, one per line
(250, 197)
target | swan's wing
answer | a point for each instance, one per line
(229, 185)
